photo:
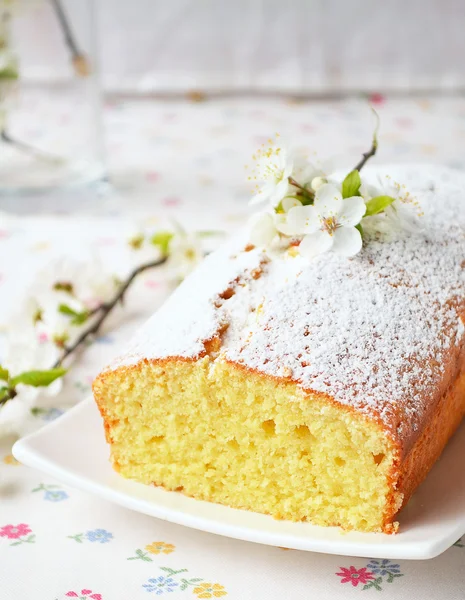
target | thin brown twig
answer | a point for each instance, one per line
(79, 60)
(293, 182)
(374, 145)
(105, 310)
(366, 156)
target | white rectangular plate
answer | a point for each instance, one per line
(73, 450)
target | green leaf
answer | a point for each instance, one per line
(306, 198)
(3, 392)
(162, 239)
(378, 204)
(351, 184)
(64, 309)
(376, 583)
(78, 318)
(4, 374)
(9, 73)
(38, 378)
(360, 228)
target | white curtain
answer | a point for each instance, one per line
(311, 46)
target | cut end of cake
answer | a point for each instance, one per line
(184, 424)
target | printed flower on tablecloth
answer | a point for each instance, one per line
(355, 576)
(383, 567)
(373, 575)
(99, 535)
(18, 533)
(84, 594)
(47, 414)
(13, 532)
(160, 547)
(51, 493)
(169, 582)
(94, 535)
(210, 590)
(9, 459)
(161, 585)
(55, 495)
(153, 548)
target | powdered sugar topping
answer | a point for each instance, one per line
(380, 332)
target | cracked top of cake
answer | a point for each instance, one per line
(381, 332)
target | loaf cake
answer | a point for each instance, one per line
(319, 390)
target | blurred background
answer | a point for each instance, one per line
(298, 46)
(106, 102)
(122, 121)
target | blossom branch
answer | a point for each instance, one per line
(106, 309)
(374, 145)
(43, 378)
(80, 63)
(367, 155)
(9, 395)
(303, 189)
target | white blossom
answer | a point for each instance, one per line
(404, 213)
(275, 165)
(317, 182)
(39, 329)
(266, 227)
(25, 352)
(80, 286)
(185, 253)
(328, 224)
(263, 229)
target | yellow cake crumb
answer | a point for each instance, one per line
(183, 424)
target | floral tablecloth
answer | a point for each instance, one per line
(184, 160)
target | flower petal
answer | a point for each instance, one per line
(352, 211)
(282, 225)
(279, 192)
(328, 200)
(289, 203)
(303, 219)
(347, 241)
(315, 243)
(263, 230)
(368, 191)
(263, 194)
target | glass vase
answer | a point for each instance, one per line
(50, 97)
